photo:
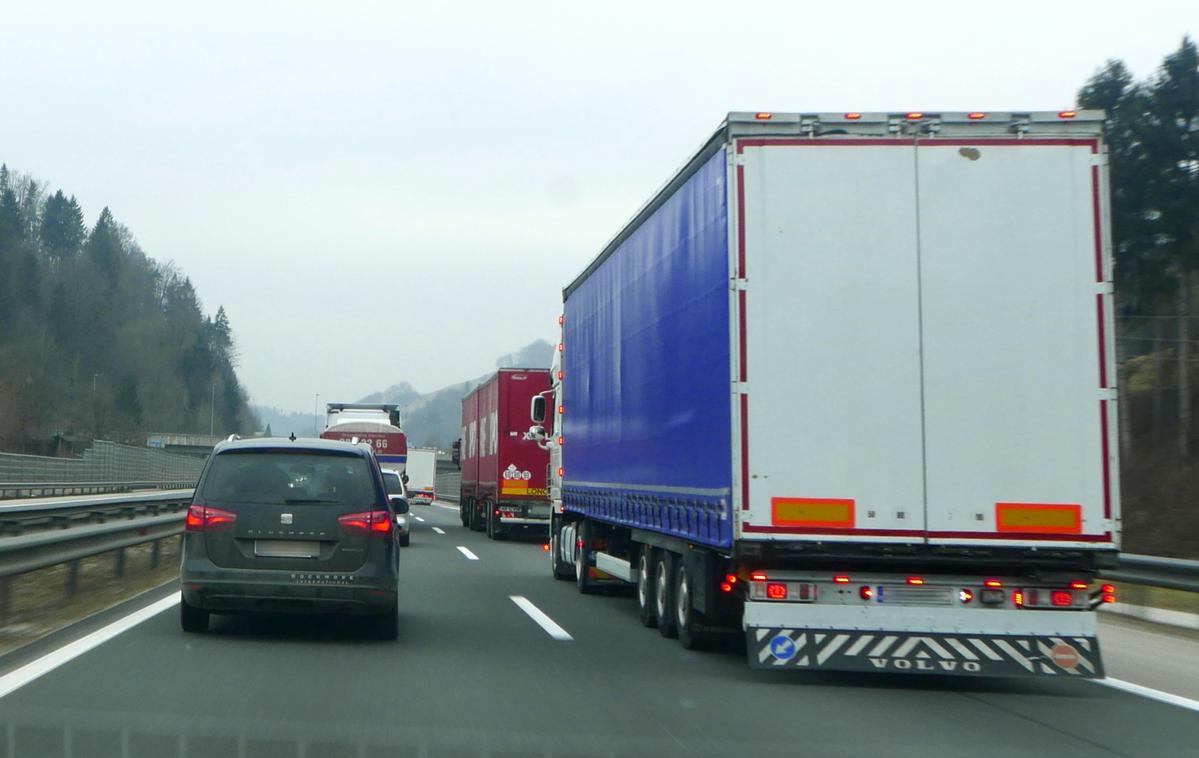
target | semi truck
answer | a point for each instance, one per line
(503, 471)
(844, 388)
(422, 475)
(376, 424)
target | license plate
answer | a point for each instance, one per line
(287, 549)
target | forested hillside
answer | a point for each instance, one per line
(1153, 141)
(97, 340)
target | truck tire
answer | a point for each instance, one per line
(191, 618)
(645, 587)
(582, 569)
(494, 530)
(464, 510)
(688, 621)
(561, 570)
(477, 516)
(664, 593)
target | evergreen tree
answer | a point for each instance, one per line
(62, 231)
(103, 247)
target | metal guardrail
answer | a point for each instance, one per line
(1156, 571)
(44, 533)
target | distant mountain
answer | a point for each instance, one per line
(400, 394)
(283, 424)
(429, 420)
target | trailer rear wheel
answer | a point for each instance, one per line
(645, 587)
(664, 593)
(494, 530)
(464, 506)
(582, 569)
(687, 619)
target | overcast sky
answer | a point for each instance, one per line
(378, 192)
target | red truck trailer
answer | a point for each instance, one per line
(503, 474)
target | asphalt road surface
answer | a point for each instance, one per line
(479, 671)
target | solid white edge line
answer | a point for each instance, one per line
(466, 551)
(1149, 692)
(545, 622)
(439, 530)
(22, 676)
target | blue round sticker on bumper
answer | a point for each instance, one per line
(783, 648)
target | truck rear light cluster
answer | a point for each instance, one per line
(202, 518)
(1108, 593)
(366, 522)
(727, 585)
(1049, 598)
(777, 589)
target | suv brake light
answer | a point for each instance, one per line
(203, 518)
(377, 522)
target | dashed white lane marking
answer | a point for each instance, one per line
(447, 507)
(469, 555)
(439, 530)
(24, 675)
(545, 622)
(418, 518)
(1149, 692)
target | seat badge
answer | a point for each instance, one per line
(285, 518)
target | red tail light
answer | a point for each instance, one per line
(758, 576)
(992, 583)
(1079, 585)
(726, 587)
(1018, 598)
(865, 593)
(915, 580)
(776, 591)
(377, 522)
(841, 579)
(545, 546)
(202, 518)
(730, 578)
(1061, 598)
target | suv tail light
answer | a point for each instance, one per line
(203, 518)
(367, 522)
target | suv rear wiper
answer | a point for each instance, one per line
(294, 500)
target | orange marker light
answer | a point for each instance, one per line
(561, 319)
(915, 116)
(915, 580)
(841, 579)
(1067, 114)
(763, 116)
(975, 116)
(853, 116)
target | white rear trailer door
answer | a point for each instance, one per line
(828, 374)
(1014, 305)
(924, 341)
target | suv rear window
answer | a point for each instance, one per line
(264, 476)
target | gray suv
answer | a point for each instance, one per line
(301, 526)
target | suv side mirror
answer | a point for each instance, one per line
(398, 503)
(537, 409)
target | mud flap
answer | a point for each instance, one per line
(919, 653)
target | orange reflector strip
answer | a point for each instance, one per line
(806, 511)
(1038, 518)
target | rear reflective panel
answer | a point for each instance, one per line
(282, 497)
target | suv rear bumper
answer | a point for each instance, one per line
(224, 590)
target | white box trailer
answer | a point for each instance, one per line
(422, 475)
(916, 466)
